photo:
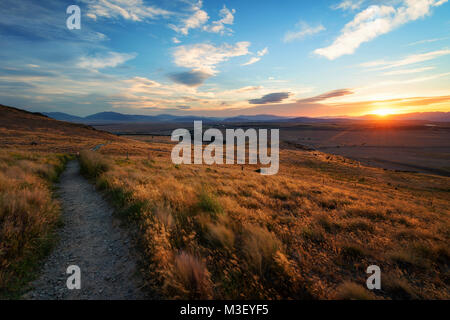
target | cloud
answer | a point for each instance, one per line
(271, 98)
(235, 93)
(183, 107)
(190, 78)
(112, 59)
(196, 20)
(15, 85)
(259, 54)
(40, 21)
(348, 5)
(227, 18)
(134, 10)
(374, 21)
(326, 96)
(251, 61)
(175, 40)
(33, 72)
(427, 41)
(204, 57)
(247, 89)
(407, 71)
(303, 30)
(140, 83)
(409, 80)
(411, 59)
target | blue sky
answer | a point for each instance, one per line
(223, 58)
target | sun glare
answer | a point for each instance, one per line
(383, 112)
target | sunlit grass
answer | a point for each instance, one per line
(28, 215)
(304, 233)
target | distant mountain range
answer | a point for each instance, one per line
(115, 117)
(424, 116)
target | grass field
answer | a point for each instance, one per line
(226, 232)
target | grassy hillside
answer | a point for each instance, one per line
(28, 215)
(226, 232)
(33, 152)
(28, 131)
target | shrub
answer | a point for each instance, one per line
(208, 203)
(190, 278)
(259, 246)
(164, 215)
(92, 163)
(220, 234)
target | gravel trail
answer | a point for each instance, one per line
(91, 239)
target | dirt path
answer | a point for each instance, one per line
(91, 239)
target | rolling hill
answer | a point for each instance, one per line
(116, 117)
(28, 130)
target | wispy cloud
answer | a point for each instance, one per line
(407, 71)
(373, 22)
(408, 81)
(243, 89)
(259, 54)
(427, 41)
(134, 10)
(197, 18)
(325, 96)
(251, 61)
(348, 5)
(204, 57)
(111, 59)
(411, 59)
(38, 21)
(219, 26)
(303, 30)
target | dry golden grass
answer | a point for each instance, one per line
(224, 232)
(28, 214)
(22, 130)
(304, 233)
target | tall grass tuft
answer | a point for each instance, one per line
(190, 279)
(260, 247)
(92, 163)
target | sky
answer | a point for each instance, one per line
(227, 58)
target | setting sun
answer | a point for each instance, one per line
(383, 112)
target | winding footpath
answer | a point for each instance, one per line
(91, 239)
